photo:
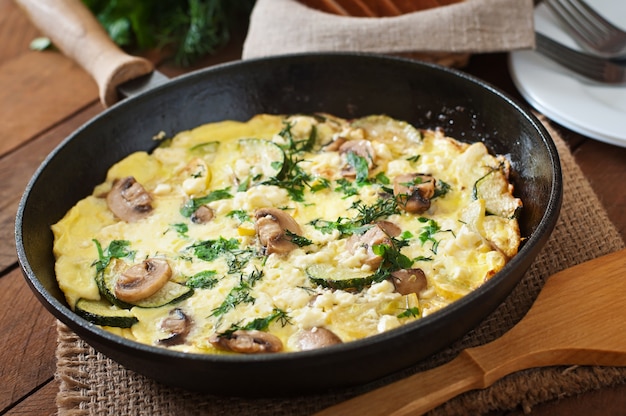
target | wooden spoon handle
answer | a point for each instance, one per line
(77, 33)
(415, 394)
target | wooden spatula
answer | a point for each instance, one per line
(579, 318)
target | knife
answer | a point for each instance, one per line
(72, 28)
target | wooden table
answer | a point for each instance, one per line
(44, 97)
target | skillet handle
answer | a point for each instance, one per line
(75, 31)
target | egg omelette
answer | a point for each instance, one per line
(286, 233)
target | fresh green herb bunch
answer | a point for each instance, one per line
(192, 28)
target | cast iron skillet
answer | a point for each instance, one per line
(347, 85)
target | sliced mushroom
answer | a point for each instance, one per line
(362, 148)
(271, 225)
(413, 191)
(128, 200)
(247, 342)
(178, 325)
(380, 233)
(407, 281)
(142, 280)
(335, 144)
(316, 337)
(202, 215)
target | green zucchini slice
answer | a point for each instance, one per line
(170, 293)
(101, 312)
(330, 277)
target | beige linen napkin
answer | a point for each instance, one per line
(288, 26)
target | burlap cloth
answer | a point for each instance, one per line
(445, 34)
(91, 384)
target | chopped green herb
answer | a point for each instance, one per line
(260, 324)
(235, 257)
(298, 240)
(382, 179)
(406, 235)
(116, 249)
(359, 224)
(441, 189)
(360, 166)
(392, 258)
(320, 184)
(346, 187)
(239, 294)
(382, 208)
(181, 228)
(239, 214)
(40, 44)
(410, 313)
(203, 280)
(210, 250)
(430, 229)
(193, 204)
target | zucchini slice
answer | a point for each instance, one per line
(266, 156)
(101, 312)
(167, 295)
(394, 133)
(331, 277)
(170, 293)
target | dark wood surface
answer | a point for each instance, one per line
(44, 97)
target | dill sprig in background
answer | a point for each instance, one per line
(191, 29)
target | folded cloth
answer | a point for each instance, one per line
(470, 26)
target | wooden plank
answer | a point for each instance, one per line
(28, 357)
(41, 402)
(14, 25)
(603, 165)
(37, 90)
(16, 170)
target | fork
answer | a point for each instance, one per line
(589, 66)
(589, 29)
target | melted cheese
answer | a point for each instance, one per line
(473, 230)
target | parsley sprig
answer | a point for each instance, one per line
(194, 203)
(116, 249)
(236, 257)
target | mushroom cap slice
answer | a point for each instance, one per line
(142, 280)
(407, 281)
(202, 215)
(413, 191)
(248, 342)
(317, 337)
(271, 225)
(178, 324)
(380, 233)
(128, 200)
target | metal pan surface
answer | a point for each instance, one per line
(347, 85)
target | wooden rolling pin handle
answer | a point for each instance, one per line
(76, 32)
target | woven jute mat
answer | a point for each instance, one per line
(91, 384)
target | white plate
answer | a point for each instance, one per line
(592, 109)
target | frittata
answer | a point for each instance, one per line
(286, 233)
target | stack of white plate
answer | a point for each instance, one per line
(589, 108)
